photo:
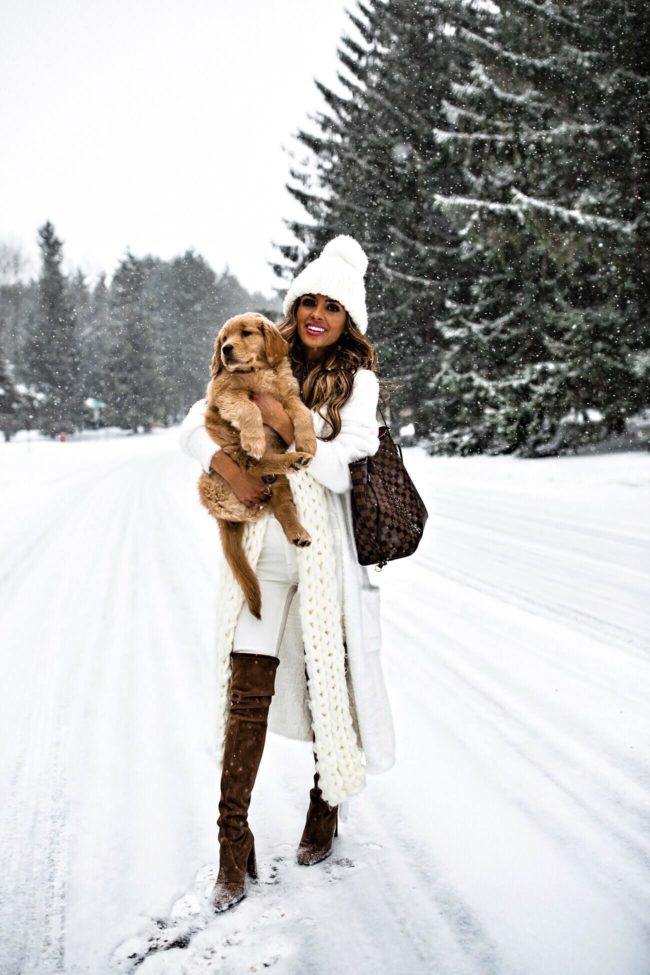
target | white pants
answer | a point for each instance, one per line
(277, 571)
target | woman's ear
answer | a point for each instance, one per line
(217, 365)
(275, 347)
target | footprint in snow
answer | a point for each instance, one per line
(337, 868)
(189, 914)
(193, 936)
(196, 937)
(273, 875)
(159, 934)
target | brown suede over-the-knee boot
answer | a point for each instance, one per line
(251, 689)
(320, 829)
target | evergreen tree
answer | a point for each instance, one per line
(96, 341)
(52, 348)
(80, 300)
(373, 172)
(189, 304)
(133, 380)
(13, 264)
(18, 302)
(10, 401)
(552, 134)
(193, 320)
(19, 400)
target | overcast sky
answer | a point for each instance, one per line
(158, 125)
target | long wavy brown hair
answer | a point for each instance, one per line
(328, 381)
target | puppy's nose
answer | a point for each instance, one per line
(226, 349)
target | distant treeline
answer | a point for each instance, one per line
(132, 353)
(494, 161)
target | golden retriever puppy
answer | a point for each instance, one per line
(250, 356)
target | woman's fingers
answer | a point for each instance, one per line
(252, 491)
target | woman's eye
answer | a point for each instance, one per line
(333, 307)
(308, 301)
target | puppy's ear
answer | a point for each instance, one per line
(217, 365)
(275, 347)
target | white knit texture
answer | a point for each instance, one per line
(339, 756)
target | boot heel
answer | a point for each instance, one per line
(336, 825)
(251, 865)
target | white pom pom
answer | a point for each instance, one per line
(349, 250)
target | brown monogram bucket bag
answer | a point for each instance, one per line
(388, 514)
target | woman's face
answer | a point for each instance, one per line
(320, 322)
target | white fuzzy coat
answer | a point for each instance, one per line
(358, 597)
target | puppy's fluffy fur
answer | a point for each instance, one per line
(250, 356)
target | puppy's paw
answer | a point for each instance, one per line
(301, 538)
(306, 445)
(254, 446)
(290, 461)
(301, 460)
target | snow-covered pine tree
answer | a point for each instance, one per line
(96, 341)
(81, 297)
(193, 303)
(11, 299)
(372, 171)
(186, 330)
(133, 382)
(618, 189)
(10, 401)
(551, 131)
(52, 346)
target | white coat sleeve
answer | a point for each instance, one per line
(359, 436)
(194, 439)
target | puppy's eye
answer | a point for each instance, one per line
(246, 333)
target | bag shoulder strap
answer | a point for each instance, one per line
(396, 446)
(381, 413)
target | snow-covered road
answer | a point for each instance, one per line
(513, 836)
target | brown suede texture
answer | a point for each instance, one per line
(251, 688)
(320, 828)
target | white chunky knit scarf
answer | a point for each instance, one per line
(339, 757)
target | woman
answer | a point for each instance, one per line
(310, 668)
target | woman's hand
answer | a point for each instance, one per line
(274, 415)
(250, 490)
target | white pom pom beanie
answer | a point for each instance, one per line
(337, 273)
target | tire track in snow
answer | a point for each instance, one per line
(626, 638)
(529, 722)
(62, 514)
(92, 532)
(611, 795)
(489, 515)
(150, 674)
(37, 818)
